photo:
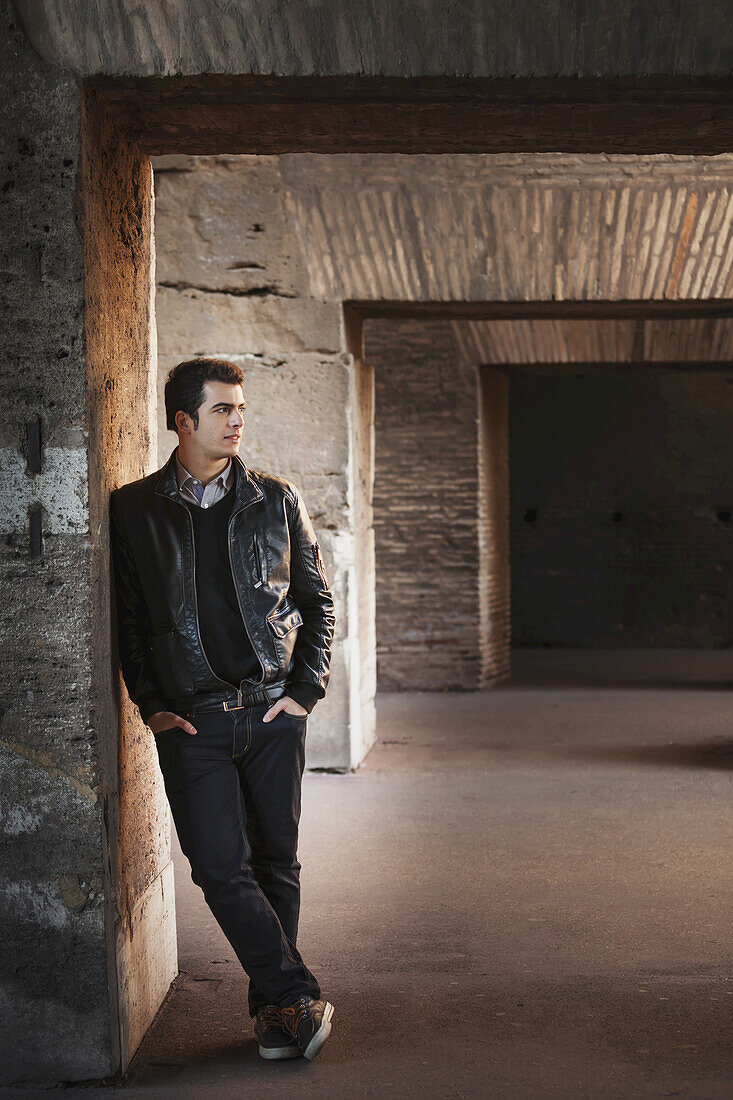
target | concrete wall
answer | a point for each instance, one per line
(622, 498)
(404, 38)
(425, 507)
(52, 884)
(86, 878)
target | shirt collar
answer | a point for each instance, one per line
(183, 475)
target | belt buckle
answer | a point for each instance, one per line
(226, 706)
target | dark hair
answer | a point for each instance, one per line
(184, 387)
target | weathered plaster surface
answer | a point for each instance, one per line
(40, 252)
(54, 979)
(60, 488)
(407, 38)
(147, 953)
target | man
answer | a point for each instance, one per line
(225, 624)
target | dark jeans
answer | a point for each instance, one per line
(234, 792)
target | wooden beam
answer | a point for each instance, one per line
(645, 309)
(216, 114)
(647, 366)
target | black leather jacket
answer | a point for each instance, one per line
(279, 577)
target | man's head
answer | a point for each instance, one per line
(204, 403)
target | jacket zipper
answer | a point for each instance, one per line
(196, 607)
(317, 561)
(258, 559)
(231, 566)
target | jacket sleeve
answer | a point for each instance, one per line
(133, 623)
(309, 588)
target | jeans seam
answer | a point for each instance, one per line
(239, 810)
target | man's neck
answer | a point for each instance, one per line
(202, 468)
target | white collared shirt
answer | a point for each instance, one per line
(213, 490)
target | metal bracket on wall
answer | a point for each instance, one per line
(33, 437)
(33, 433)
(35, 529)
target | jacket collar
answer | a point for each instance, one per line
(246, 491)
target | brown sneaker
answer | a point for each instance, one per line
(274, 1040)
(309, 1022)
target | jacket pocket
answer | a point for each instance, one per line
(285, 633)
(170, 664)
(280, 625)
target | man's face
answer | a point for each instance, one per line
(221, 418)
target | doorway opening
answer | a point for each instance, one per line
(127, 121)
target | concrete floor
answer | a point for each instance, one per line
(521, 893)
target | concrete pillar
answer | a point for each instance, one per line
(362, 595)
(116, 196)
(53, 883)
(88, 944)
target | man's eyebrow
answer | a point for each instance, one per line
(226, 405)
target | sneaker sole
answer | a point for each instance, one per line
(321, 1035)
(279, 1052)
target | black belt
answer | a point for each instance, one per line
(235, 702)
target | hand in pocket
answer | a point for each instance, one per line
(167, 720)
(288, 705)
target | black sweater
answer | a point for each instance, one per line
(223, 633)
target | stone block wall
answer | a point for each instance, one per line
(232, 281)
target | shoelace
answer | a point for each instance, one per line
(271, 1016)
(294, 1014)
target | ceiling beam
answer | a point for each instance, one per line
(215, 114)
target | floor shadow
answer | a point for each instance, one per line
(714, 754)
(641, 669)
